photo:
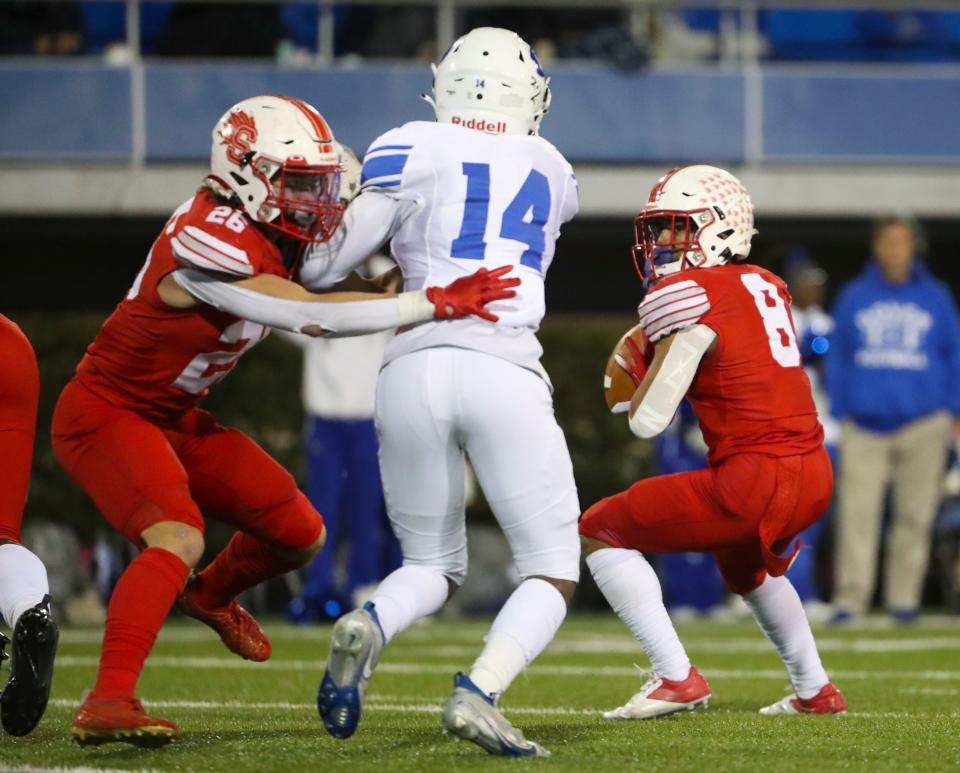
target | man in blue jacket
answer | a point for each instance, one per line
(893, 378)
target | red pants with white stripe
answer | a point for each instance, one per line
(746, 510)
(19, 394)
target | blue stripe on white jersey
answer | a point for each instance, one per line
(382, 166)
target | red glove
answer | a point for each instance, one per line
(636, 364)
(469, 294)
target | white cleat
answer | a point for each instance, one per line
(355, 645)
(659, 697)
(471, 715)
(828, 701)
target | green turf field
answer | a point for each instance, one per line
(903, 686)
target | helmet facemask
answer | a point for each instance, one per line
(303, 200)
(667, 242)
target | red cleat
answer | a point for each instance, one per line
(112, 720)
(828, 701)
(659, 697)
(236, 627)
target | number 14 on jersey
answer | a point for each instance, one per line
(523, 220)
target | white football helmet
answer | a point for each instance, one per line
(276, 157)
(350, 173)
(491, 80)
(696, 217)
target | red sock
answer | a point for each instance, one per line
(138, 607)
(242, 564)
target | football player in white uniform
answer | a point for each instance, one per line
(478, 187)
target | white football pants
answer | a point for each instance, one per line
(436, 404)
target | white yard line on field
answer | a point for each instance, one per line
(231, 664)
(84, 769)
(607, 646)
(385, 704)
(594, 645)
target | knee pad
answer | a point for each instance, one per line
(547, 545)
(293, 524)
(453, 567)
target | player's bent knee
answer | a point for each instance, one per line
(302, 556)
(598, 525)
(566, 587)
(590, 545)
(181, 539)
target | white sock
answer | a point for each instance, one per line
(525, 625)
(23, 582)
(779, 612)
(632, 589)
(406, 595)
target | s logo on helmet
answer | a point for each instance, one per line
(237, 134)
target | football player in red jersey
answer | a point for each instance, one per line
(723, 337)
(127, 428)
(24, 592)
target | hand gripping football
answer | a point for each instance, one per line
(626, 367)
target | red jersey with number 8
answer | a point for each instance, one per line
(159, 361)
(750, 393)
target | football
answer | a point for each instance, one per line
(618, 384)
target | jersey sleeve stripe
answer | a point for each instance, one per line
(648, 316)
(670, 288)
(189, 241)
(389, 147)
(382, 167)
(191, 251)
(674, 322)
(665, 300)
(217, 244)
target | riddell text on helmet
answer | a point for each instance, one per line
(494, 127)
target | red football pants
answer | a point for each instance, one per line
(745, 511)
(139, 474)
(19, 394)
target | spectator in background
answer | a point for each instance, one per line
(343, 472)
(892, 376)
(807, 283)
(44, 29)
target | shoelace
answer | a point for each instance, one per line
(651, 680)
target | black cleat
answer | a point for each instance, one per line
(31, 670)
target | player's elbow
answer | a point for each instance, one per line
(647, 423)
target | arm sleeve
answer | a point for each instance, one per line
(338, 317)
(370, 220)
(675, 307)
(672, 381)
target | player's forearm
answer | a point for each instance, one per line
(370, 220)
(284, 305)
(658, 397)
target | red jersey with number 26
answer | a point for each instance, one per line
(158, 361)
(750, 394)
